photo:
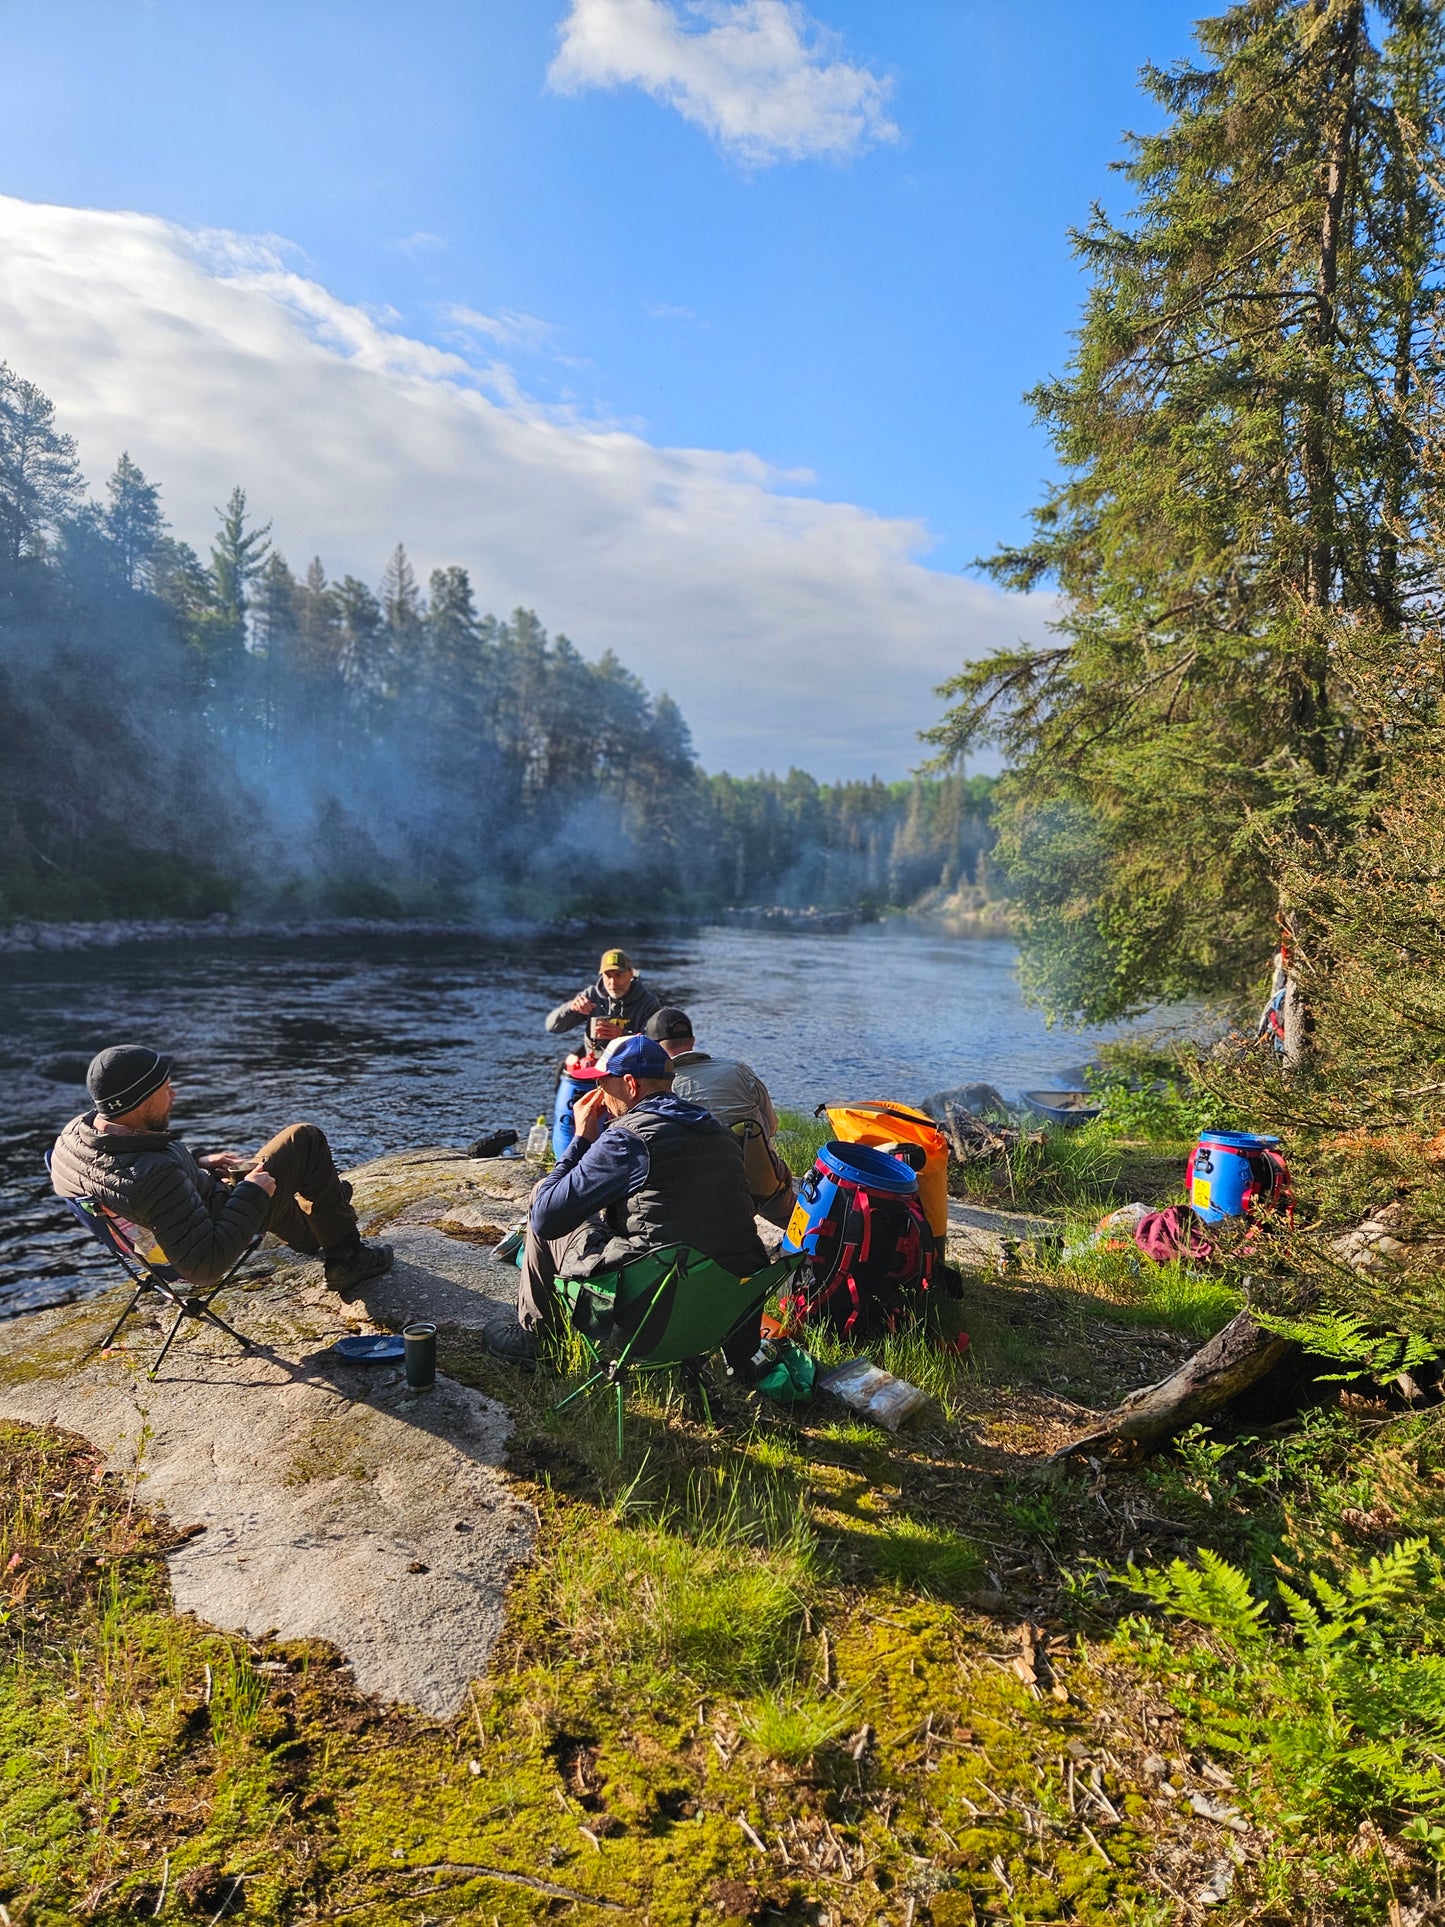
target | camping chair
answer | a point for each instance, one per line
(148, 1275)
(663, 1309)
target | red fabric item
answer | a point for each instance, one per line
(1175, 1233)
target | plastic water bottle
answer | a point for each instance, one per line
(538, 1138)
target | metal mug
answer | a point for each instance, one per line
(420, 1342)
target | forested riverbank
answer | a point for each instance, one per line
(186, 736)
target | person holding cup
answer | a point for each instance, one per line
(617, 1005)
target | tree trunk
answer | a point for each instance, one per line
(1232, 1361)
(1297, 1026)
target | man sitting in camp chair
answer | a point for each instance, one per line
(645, 1170)
(204, 1212)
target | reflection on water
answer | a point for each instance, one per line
(387, 1042)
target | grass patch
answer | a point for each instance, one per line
(709, 1592)
(1049, 1169)
(1176, 1297)
(796, 1723)
(927, 1558)
(801, 1138)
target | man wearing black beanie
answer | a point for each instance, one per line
(204, 1212)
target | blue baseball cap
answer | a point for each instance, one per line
(635, 1057)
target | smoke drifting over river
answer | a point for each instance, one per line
(187, 735)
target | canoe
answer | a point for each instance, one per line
(1064, 1108)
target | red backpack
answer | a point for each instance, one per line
(871, 1263)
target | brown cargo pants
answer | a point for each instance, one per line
(311, 1210)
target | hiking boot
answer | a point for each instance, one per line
(347, 1272)
(512, 1343)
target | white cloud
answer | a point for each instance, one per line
(507, 328)
(422, 242)
(765, 80)
(791, 630)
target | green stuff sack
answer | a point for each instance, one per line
(791, 1378)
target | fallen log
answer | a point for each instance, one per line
(1231, 1363)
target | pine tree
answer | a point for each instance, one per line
(133, 521)
(400, 597)
(320, 645)
(1239, 434)
(276, 614)
(40, 481)
(238, 555)
(366, 658)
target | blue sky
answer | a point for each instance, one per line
(861, 319)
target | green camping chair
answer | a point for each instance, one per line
(663, 1309)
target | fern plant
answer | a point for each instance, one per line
(1333, 1698)
(1345, 1337)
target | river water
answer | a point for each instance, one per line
(389, 1042)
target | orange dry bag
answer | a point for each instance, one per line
(903, 1133)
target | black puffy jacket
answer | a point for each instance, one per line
(202, 1225)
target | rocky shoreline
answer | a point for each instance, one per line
(28, 936)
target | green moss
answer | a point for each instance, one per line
(788, 1623)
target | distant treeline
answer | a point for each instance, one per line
(186, 734)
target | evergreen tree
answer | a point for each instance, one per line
(133, 521)
(319, 641)
(1239, 434)
(40, 480)
(276, 618)
(455, 694)
(401, 603)
(366, 658)
(238, 555)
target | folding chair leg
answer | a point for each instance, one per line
(170, 1339)
(106, 1343)
(580, 1391)
(621, 1395)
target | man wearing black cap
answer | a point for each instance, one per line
(644, 1170)
(204, 1212)
(737, 1098)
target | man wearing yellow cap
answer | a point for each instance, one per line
(617, 1005)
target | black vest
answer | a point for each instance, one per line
(695, 1193)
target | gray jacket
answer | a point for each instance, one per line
(733, 1092)
(631, 1011)
(202, 1225)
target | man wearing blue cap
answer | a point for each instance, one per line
(646, 1169)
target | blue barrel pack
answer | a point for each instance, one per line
(842, 1167)
(564, 1129)
(1230, 1173)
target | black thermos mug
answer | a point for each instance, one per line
(420, 1342)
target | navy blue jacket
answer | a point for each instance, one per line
(666, 1173)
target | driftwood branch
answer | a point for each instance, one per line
(972, 1138)
(1231, 1363)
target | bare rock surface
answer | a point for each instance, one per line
(976, 1235)
(336, 1503)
